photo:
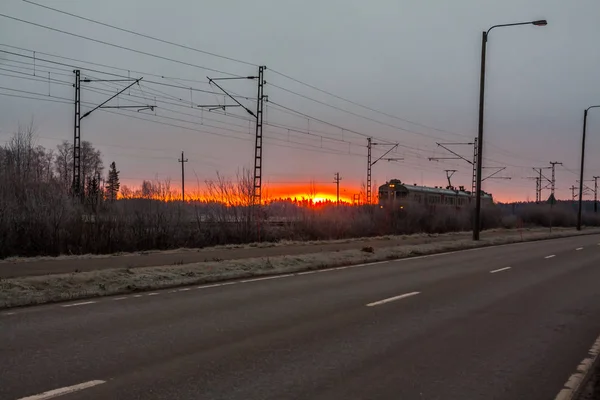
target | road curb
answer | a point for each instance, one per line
(574, 387)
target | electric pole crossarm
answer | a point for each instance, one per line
(249, 111)
(453, 152)
(493, 175)
(112, 97)
(384, 154)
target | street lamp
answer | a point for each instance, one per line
(477, 219)
(585, 114)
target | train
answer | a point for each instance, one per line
(398, 195)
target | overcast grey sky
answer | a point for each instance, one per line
(418, 60)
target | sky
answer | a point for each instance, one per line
(413, 64)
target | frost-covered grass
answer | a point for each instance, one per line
(59, 287)
(424, 237)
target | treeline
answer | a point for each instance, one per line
(39, 216)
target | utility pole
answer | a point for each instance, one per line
(537, 187)
(258, 116)
(553, 183)
(370, 164)
(540, 180)
(258, 147)
(596, 193)
(573, 188)
(337, 180)
(182, 161)
(77, 137)
(77, 181)
(474, 164)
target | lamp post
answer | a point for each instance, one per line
(477, 219)
(585, 114)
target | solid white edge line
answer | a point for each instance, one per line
(83, 303)
(402, 296)
(500, 270)
(550, 256)
(65, 390)
(579, 248)
(575, 382)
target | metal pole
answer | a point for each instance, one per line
(585, 113)
(596, 194)
(77, 192)
(182, 161)
(477, 218)
(369, 165)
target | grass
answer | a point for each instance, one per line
(60, 287)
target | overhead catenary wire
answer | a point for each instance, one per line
(118, 46)
(239, 61)
(142, 35)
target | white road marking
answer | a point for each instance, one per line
(402, 296)
(153, 294)
(579, 248)
(585, 367)
(83, 303)
(307, 272)
(209, 286)
(551, 256)
(9, 313)
(184, 289)
(65, 390)
(338, 268)
(119, 298)
(137, 295)
(499, 270)
(266, 278)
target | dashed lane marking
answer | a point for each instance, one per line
(153, 294)
(390, 299)
(83, 303)
(119, 298)
(551, 256)
(62, 391)
(500, 270)
(579, 248)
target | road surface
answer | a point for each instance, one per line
(508, 322)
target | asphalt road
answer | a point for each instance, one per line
(437, 327)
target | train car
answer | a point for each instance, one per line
(398, 195)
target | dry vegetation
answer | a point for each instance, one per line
(38, 216)
(60, 287)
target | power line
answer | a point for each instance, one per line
(118, 46)
(363, 106)
(142, 35)
(104, 72)
(353, 113)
